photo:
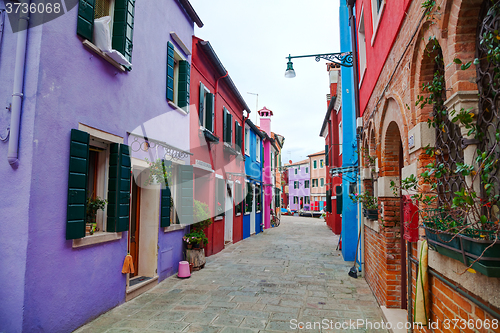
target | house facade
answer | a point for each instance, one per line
(317, 166)
(252, 219)
(279, 141)
(75, 135)
(299, 185)
(216, 140)
(267, 174)
(331, 131)
(429, 44)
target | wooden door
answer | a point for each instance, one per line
(133, 240)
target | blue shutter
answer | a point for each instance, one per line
(85, 21)
(186, 194)
(170, 71)
(183, 89)
(77, 184)
(166, 196)
(119, 188)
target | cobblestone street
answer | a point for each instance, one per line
(266, 283)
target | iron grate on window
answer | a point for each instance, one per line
(101, 8)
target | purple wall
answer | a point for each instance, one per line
(61, 288)
(301, 177)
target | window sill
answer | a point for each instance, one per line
(174, 227)
(238, 214)
(103, 55)
(218, 218)
(97, 238)
(229, 149)
(209, 136)
(177, 108)
(248, 213)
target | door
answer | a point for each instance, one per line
(228, 229)
(252, 213)
(133, 235)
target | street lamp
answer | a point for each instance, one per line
(343, 59)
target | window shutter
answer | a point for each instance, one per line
(170, 71)
(201, 106)
(329, 201)
(186, 194)
(123, 27)
(183, 94)
(119, 188)
(225, 124)
(338, 193)
(230, 128)
(166, 196)
(237, 134)
(85, 21)
(209, 120)
(326, 155)
(77, 184)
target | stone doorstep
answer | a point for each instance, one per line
(140, 288)
(394, 316)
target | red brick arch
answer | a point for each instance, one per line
(393, 126)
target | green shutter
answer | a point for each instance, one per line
(315, 164)
(166, 196)
(338, 193)
(123, 27)
(77, 184)
(170, 71)
(201, 106)
(237, 135)
(209, 114)
(85, 21)
(225, 118)
(119, 188)
(186, 194)
(183, 90)
(326, 155)
(229, 128)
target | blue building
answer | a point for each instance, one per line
(350, 226)
(252, 219)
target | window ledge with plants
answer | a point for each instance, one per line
(209, 136)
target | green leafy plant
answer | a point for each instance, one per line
(368, 200)
(159, 173)
(195, 238)
(197, 235)
(92, 206)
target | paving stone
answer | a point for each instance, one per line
(255, 323)
(168, 326)
(132, 323)
(227, 320)
(201, 329)
(171, 315)
(203, 318)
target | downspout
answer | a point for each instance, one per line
(17, 95)
(352, 22)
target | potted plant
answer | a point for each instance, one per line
(196, 239)
(370, 204)
(92, 206)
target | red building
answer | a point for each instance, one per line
(216, 136)
(332, 132)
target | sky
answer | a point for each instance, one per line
(253, 38)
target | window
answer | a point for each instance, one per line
(295, 184)
(295, 200)
(307, 200)
(258, 199)
(362, 47)
(95, 163)
(220, 197)
(178, 72)
(322, 182)
(239, 199)
(306, 184)
(247, 141)
(307, 169)
(321, 164)
(206, 108)
(249, 199)
(257, 148)
(315, 164)
(377, 10)
(228, 126)
(121, 13)
(315, 182)
(295, 170)
(277, 198)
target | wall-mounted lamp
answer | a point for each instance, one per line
(343, 59)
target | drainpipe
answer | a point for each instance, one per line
(17, 95)
(352, 22)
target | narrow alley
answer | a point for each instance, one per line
(275, 281)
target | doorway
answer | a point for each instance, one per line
(228, 228)
(133, 235)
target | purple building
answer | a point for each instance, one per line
(299, 178)
(80, 121)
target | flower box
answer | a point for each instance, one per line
(466, 250)
(371, 214)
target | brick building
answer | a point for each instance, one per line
(399, 42)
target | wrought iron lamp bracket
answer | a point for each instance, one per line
(343, 58)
